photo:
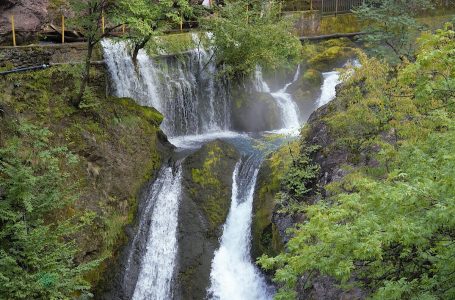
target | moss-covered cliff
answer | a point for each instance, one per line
(118, 145)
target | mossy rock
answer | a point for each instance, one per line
(326, 55)
(207, 187)
(266, 238)
(209, 181)
(253, 111)
(330, 57)
(118, 144)
(149, 113)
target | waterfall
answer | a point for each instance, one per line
(332, 79)
(288, 108)
(196, 106)
(233, 274)
(158, 227)
(184, 89)
(328, 92)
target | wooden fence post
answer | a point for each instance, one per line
(336, 8)
(102, 22)
(13, 31)
(322, 7)
(181, 22)
(63, 29)
(311, 4)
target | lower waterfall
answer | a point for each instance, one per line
(234, 275)
(158, 226)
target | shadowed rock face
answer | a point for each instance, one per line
(29, 15)
(205, 203)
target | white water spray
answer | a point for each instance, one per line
(287, 106)
(233, 274)
(157, 268)
(328, 92)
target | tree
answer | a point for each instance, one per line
(88, 20)
(249, 34)
(147, 18)
(392, 24)
(37, 251)
(390, 228)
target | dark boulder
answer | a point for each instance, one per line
(204, 208)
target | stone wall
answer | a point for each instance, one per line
(306, 22)
(33, 55)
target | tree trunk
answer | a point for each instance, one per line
(139, 46)
(85, 76)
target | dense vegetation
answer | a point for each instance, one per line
(387, 227)
(36, 251)
(64, 201)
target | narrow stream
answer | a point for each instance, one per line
(196, 105)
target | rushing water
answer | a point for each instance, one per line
(233, 275)
(184, 89)
(328, 93)
(288, 108)
(158, 226)
(196, 106)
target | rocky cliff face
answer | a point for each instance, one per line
(271, 223)
(29, 15)
(203, 211)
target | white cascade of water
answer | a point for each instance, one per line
(183, 89)
(158, 263)
(328, 92)
(289, 109)
(233, 274)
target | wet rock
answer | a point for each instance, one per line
(326, 288)
(203, 211)
(254, 112)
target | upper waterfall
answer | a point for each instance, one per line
(184, 89)
(328, 92)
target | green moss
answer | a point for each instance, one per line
(329, 56)
(171, 43)
(266, 238)
(345, 23)
(208, 180)
(313, 77)
(114, 139)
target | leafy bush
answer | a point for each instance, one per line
(388, 229)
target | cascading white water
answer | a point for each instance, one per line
(233, 274)
(196, 107)
(184, 89)
(287, 106)
(332, 79)
(328, 91)
(157, 268)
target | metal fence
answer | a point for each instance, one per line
(326, 7)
